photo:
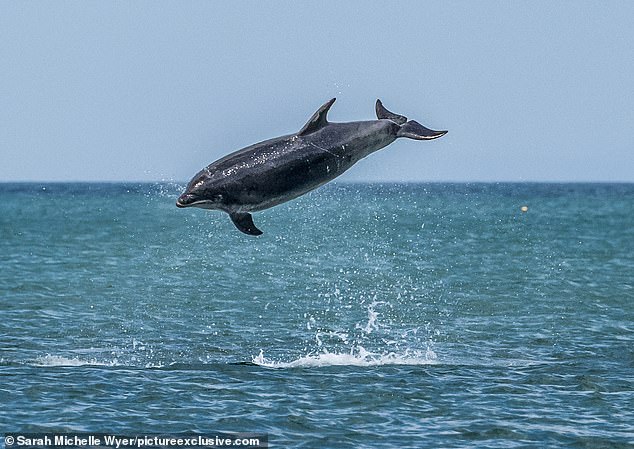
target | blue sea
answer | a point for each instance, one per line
(366, 316)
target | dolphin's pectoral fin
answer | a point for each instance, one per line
(318, 120)
(244, 222)
(414, 130)
(382, 113)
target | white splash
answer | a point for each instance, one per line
(373, 316)
(57, 360)
(358, 357)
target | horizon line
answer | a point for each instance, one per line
(166, 181)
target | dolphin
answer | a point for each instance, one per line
(272, 172)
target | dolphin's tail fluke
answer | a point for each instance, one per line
(382, 113)
(414, 130)
(410, 129)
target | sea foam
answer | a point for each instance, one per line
(57, 360)
(358, 357)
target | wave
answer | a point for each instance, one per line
(57, 360)
(358, 357)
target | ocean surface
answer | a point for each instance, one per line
(373, 316)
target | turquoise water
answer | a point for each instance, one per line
(431, 315)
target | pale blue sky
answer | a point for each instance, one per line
(529, 91)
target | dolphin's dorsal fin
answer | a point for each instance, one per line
(318, 120)
(382, 113)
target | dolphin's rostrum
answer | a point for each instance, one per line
(268, 173)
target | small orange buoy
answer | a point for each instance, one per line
(524, 208)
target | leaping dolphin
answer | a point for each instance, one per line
(272, 172)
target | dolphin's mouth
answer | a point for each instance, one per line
(205, 204)
(185, 200)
